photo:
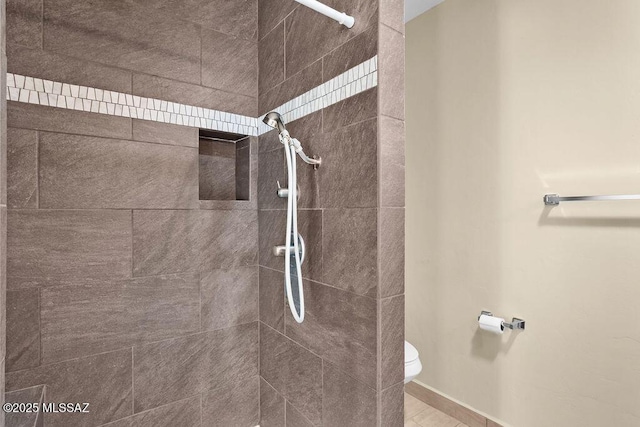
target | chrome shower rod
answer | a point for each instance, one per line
(555, 199)
(341, 17)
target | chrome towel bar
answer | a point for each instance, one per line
(555, 199)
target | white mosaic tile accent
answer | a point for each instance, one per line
(362, 77)
(38, 91)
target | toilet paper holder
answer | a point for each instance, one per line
(514, 324)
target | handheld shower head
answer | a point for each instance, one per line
(274, 120)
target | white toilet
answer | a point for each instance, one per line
(412, 365)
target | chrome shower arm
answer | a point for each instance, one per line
(316, 162)
(312, 161)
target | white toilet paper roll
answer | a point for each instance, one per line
(491, 324)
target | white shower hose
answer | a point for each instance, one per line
(292, 230)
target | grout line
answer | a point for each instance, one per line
(144, 343)
(390, 28)
(324, 284)
(335, 366)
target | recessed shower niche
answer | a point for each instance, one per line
(224, 165)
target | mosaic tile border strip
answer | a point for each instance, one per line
(49, 93)
(82, 98)
(362, 77)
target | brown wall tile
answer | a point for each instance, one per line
(229, 63)
(193, 94)
(245, 179)
(271, 170)
(272, 233)
(269, 141)
(272, 297)
(61, 68)
(23, 329)
(24, 22)
(230, 17)
(217, 170)
(354, 52)
(293, 371)
(392, 406)
(346, 402)
(349, 250)
(103, 381)
(391, 162)
(391, 73)
(3, 130)
(46, 244)
(88, 319)
(165, 242)
(22, 168)
(295, 418)
(26, 396)
(171, 370)
(391, 249)
(310, 227)
(271, 59)
(294, 85)
(271, 406)
(246, 183)
(237, 404)
(229, 297)
(30, 116)
(392, 14)
(308, 130)
(175, 241)
(271, 13)
(184, 413)
(392, 341)
(340, 327)
(348, 176)
(79, 172)
(231, 239)
(309, 36)
(164, 133)
(128, 36)
(354, 109)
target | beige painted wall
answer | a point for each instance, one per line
(508, 100)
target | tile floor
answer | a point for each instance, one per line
(419, 414)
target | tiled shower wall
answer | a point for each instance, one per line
(3, 202)
(344, 365)
(124, 289)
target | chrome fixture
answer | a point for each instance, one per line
(283, 192)
(274, 120)
(555, 199)
(281, 250)
(294, 248)
(514, 324)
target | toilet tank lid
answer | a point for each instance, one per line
(410, 352)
